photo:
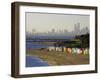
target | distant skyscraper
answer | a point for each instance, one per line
(53, 30)
(77, 28)
(33, 30)
(65, 30)
(60, 31)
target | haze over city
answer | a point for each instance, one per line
(44, 23)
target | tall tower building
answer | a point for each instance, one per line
(77, 28)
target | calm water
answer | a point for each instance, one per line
(53, 37)
(31, 45)
(35, 62)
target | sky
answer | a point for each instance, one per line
(44, 22)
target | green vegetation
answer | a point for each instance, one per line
(80, 41)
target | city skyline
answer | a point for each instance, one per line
(43, 22)
(76, 31)
(61, 30)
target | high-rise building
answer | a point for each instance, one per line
(77, 29)
(53, 30)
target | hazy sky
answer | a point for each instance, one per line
(43, 22)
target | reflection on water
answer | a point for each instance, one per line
(31, 45)
(34, 62)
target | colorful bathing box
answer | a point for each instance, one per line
(70, 50)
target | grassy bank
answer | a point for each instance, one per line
(59, 58)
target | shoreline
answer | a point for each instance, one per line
(59, 58)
